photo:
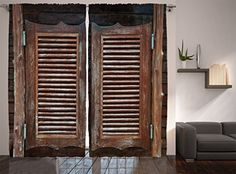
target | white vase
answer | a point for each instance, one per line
(198, 56)
(184, 64)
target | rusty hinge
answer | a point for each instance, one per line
(153, 41)
(151, 131)
(24, 38)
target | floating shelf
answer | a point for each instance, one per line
(206, 71)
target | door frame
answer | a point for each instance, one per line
(19, 74)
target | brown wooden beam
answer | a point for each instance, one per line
(157, 58)
(19, 79)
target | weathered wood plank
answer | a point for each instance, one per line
(19, 74)
(157, 79)
(147, 166)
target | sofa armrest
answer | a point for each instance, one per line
(186, 140)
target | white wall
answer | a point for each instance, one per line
(4, 128)
(212, 24)
(4, 18)
(171, 59)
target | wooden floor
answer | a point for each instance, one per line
(113, 165)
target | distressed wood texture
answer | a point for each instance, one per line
(19, 76)
(121, 90)
(125, 14)
(55, 89)
(52, 14)
(157, 60)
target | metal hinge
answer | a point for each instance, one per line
(24, 131)
(153, 41)
(24, 38)
(151, 132)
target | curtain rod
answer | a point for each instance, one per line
(170, 7)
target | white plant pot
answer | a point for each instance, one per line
(184, 64)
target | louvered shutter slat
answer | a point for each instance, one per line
(57, 89)
(121, 75)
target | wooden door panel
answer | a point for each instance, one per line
(120, 89)
(55, 89)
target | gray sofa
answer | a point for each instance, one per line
(206, 140)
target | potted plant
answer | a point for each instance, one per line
(183, 55)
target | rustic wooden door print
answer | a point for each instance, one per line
(120, 90)
(55, 89)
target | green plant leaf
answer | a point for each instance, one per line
(186, 53)
(190, 57)
(180, 55)
(183, 55)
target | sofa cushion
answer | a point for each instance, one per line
(215, 143)
(232, 135)
(207, 127)
(229, 127)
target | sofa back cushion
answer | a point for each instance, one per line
(229, 128)
(207, 127)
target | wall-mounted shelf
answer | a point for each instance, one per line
(206, 71)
